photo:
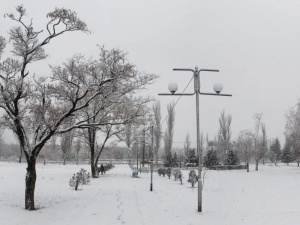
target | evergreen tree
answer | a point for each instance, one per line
(168, 159)
(211, 159)
(232, 158)
(276, 149)
(287, 155)
(192, 156)
(174, 160)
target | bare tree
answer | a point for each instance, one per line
(157, 130)
(118, 107)
(95, 149)
(53, 147)
(128, 130)
(244, 145)
(66, 143)
(78, 147)
(2, 45)
(128, 136)
(2, 145)
(259, 138)
(27, 101)
(169, 133)
(263, 143)
(187, 146)
(224, 136)
(20, 150)
(292, 130)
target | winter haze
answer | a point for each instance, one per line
(254, 44)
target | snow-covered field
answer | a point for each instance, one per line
(269, 196)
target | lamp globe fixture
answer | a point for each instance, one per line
(172, 87)
(218, 87)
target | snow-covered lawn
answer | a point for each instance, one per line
(269, 196)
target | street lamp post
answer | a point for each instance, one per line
(217, 88)
(144, 144)
(151, 165)
(137, 158)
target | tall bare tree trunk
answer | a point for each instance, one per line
(157, 128)
(91, 138)
(20, 158)
(93, 164)
(77, 158)
(30, 183)
(21, 154)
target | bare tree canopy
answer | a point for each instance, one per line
(187, 146)
(116, 105)
(169, 133)
(259, 139)
(225, 129)
(157, 130)
(224, 135)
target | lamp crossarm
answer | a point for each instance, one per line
(176, 69)
(203, 93)
(181, 94)
(209, 70)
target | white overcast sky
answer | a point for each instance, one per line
(254, 43)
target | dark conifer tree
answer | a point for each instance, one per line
(287, 155)
(211, 159)
(232, 158)
(276, 149)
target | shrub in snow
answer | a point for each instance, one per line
(177, 175)
(85, 176)
(193, 178)
(180, 177)
(169, 172)
(161, 171)
(74, 181)
(82, 177)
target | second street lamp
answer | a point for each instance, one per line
(217, 88)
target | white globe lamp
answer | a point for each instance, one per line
(218, 87)
(173, 87)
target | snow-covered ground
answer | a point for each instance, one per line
(269, 196)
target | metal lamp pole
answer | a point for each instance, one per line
(151, 165)
(144, 144)
(218, 89)
(137, 158)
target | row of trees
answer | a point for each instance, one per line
(250, 145)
